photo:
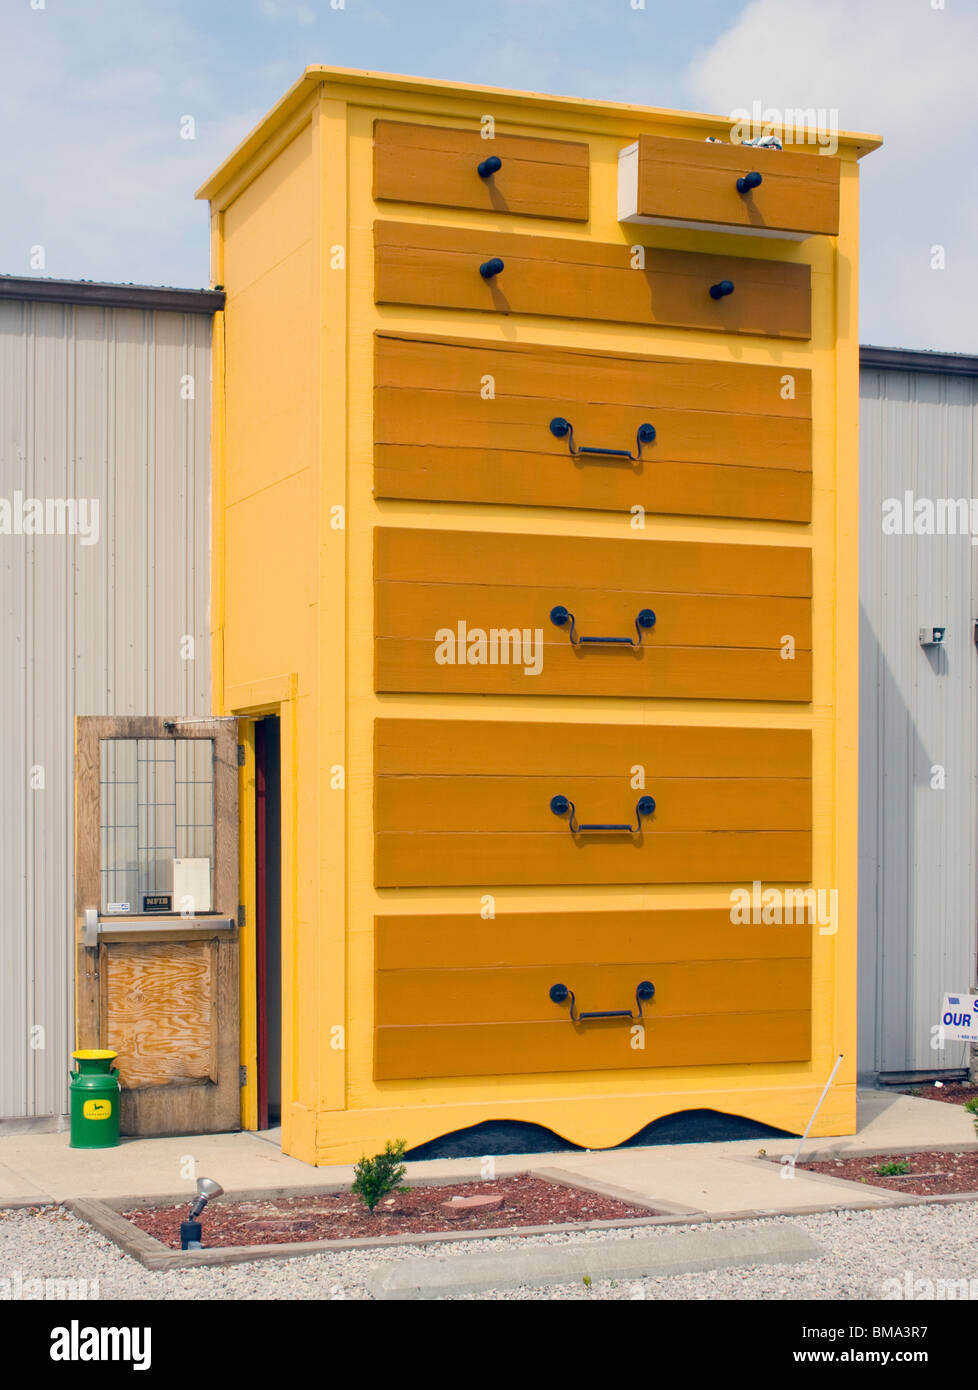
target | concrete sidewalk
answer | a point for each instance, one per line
(710, 1178)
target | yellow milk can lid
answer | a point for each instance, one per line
(91, 1054)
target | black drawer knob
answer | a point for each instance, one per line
(721, 290)
(490, 268)
(561, 805)
(492, 165)
(749, 182)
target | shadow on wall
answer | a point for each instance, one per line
(499, 1138)
(895, 979)
(889, 748)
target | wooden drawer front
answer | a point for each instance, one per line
(693, 183)
(460, 997)
(472, 612)
(726, 443)
(432, 164)
(465, 802)
(440, 266)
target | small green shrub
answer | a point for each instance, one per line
(892, 1170)
(374, 1177)
(972, 1108)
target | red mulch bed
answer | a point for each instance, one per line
(528, 1201)
(955, 1092)
(931, 1174)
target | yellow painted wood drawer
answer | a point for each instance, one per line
(692, 183)
(441, 166)
(491, 613)
(452, 268)
(470, 421)
(457, 996)
(473, 802)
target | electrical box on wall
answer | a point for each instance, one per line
(932, 636)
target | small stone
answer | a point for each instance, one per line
(458, 1206)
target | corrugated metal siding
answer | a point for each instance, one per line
(917, 893)
(90, 406)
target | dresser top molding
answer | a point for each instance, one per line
(422, 96)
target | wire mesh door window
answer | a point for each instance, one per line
(157, 807)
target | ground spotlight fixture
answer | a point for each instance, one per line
(190, 1229)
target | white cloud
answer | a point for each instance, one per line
(892, 64)
(287, 9)
(91, 99)
(901, 69)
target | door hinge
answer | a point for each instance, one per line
(241, 755)
(241, 914)
(242, 1076)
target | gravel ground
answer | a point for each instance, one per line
(862, 1251)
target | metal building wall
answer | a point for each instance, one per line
(917, 891)
(90, 406)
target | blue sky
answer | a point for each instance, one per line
(92, 93)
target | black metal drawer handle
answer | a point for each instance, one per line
(749, 182)
(645, 807)
(492, 165)
(645, 991)
(563, 429)
(721, 289)
(645, 620)
(490, 268)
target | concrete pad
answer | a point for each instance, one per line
(889, 1120)
(43, 1167)
(569, 1264)
(37, 1167)
(710, 1181)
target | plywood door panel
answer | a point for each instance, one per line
(696, 181)
(557, 276)
(466, 802)
(727, 442)
(416, 163)
(158, 1012)
(443, 636)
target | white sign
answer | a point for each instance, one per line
(191, 885)
(959, 1018)
(117, 907)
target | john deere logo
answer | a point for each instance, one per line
(97, 1109)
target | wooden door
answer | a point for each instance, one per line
(156, 915)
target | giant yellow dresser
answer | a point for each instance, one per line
(535, 493)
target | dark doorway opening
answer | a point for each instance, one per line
(268, 914)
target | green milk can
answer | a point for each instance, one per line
(94, 1097)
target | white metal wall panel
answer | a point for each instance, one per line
(917, 893)
(91, 405)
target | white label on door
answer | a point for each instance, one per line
(192, 885)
